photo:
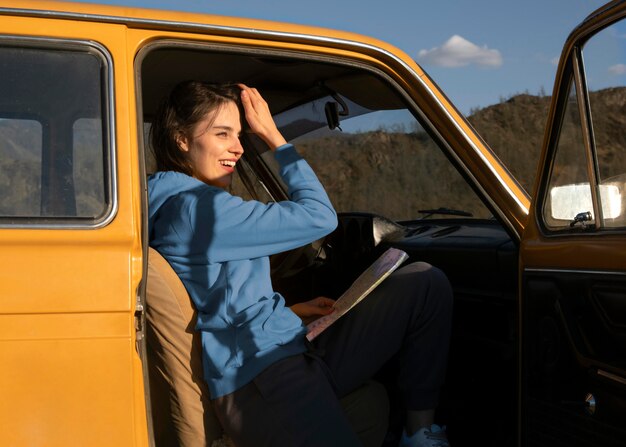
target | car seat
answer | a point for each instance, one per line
(181, 410)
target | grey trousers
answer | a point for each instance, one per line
(295, 402)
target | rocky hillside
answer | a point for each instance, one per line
(514, 130)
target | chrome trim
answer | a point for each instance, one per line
(587, 133)
(109, 102)
(611, 376)
(276, 35)
(574, 271)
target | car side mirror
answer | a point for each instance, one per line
(568, 201)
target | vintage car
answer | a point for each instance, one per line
(538, 354)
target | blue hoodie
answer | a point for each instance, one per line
(219, 244)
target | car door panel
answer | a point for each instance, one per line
(573, 269)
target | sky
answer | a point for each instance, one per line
(480, 52)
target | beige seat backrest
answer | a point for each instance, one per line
(181, 410)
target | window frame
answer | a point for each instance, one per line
(574, 75)
(107, 102)
(265, 172)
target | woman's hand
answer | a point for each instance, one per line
(311, 310)
(259, 117)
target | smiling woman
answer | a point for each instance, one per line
(396, 166)
(200, 135)
(213, 148)
(219, 245)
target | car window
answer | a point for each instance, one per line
(87, 140)
(569, 190)
(569, 204)
(605, 68)
(384, 162)
(353, 124)
(54, 151)
(20, 166)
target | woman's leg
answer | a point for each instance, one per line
(290, 404)
(409, 314)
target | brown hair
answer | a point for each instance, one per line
(186, 105)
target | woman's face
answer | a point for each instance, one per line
(214, 147)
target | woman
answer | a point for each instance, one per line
(268, 385)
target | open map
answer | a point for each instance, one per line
(362, 286)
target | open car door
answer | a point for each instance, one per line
(573, 252)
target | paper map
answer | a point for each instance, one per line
(360, 288)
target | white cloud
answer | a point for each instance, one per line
(618, 69)
(460, 52)
(555, 60)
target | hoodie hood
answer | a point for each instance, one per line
(162, 186)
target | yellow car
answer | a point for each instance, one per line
(539, 337)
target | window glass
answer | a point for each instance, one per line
(20, 167)
(384, 162)
(88, 172)
(605, 68)
(54, 163)
(569, 193)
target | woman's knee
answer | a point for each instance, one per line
(430, 284)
